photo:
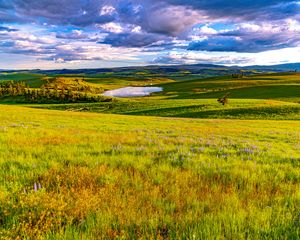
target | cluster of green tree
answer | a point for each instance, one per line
(237, 75)
(75, 85)
(46, 95)
(12, 88)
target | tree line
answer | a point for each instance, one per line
(46, 94)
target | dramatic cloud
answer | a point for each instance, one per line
(78, 13)
(243, 9)
(141, 29)
(248, 37)
(62, 47)
(160, 18)
(133, 39)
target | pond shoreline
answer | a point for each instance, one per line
(129, 92)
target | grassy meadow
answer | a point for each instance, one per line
(261, 96)
(67, 175)
(193, 108)
(174, 165)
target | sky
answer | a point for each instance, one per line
(55, 34)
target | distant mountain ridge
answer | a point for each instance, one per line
(195, 68)
(282, 67)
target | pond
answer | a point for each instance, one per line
(128, 92)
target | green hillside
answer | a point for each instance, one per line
(271, 96)
(271, 86)
(33, 80)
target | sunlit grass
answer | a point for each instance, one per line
(192, 108)
(68, 175)
(268, 86)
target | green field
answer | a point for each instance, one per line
(271, 96)
(206, 108)
(107, 176)
(270, 86)
(175, 165)
(33, 80)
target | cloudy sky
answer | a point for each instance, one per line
(51, 34)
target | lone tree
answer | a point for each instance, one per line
(224, 100)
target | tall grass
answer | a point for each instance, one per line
(66, 175)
